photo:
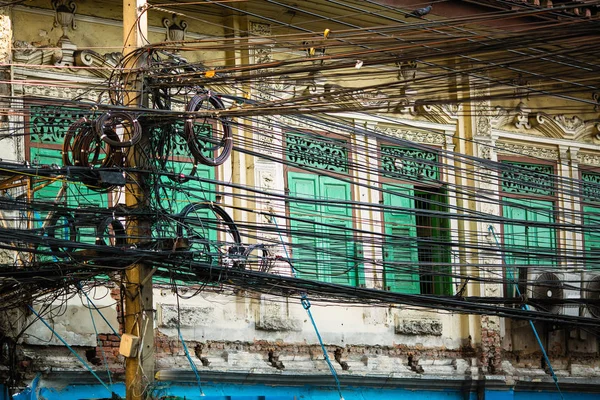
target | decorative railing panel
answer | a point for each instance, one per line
(49, 124)
(170, 139)
(523, 178)
(401, 162)
(590, 186)
(327, 154)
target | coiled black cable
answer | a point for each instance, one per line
(105, 128)
(65, 222)
(196, 145)
(111, 232)
(188, 222)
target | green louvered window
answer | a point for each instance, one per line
(590, 188)
(591, 237)
(323, 246)
(48, 128)
(529, 237)
(529, 240)
(415, 258)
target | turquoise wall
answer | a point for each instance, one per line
(223, 391)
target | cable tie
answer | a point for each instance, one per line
(305, 303)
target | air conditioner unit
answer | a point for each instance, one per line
(554, 285)
(590, 290)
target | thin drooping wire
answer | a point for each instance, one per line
(99, 343)
(297, 108)
(306, 305)
(526, 307)
(185, 349)
(42, 320)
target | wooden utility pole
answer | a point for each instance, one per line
(139, 313)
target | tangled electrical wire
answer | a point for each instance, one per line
(186, 130)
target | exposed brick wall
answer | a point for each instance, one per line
(107, 352)
(491, 345)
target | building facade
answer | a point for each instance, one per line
(443, 179)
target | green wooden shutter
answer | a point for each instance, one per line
(440, 232)
(536, 243)
(542, 238)
(323, 245)
(527, 244)
(338, 255)
(175, 196)
(77, 195)
(47, 156)
(591, 237)
(515, 235)
(400, 254)
(304, 233)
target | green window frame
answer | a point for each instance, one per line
(527, 242)
(415, 257)
(527, 203)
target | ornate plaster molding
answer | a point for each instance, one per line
(291, 122)
(317, 89)
(588, 159)
(262, 54)
(65, 93)
(422, 137)
(483, 116)
(98, 65)
(446, 113)
(527, 150)
(5, 34)
(484, 151)
(553, 126)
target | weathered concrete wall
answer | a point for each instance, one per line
(215, 317)
(74, 322)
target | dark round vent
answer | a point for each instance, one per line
(592, 292)
(547, 286)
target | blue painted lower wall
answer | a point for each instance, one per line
(221, 391)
